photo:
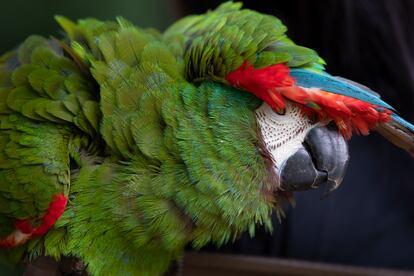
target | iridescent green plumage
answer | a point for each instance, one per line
(217, 43)
(140, 130)
(37, 130)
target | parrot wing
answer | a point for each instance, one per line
(398, 131)
(324, 81)
(48, 112)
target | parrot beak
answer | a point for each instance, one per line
(321, 160)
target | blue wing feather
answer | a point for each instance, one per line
(314, 79)
(403, 122)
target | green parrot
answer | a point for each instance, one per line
(121, 146)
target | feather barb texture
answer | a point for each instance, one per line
(25, 230)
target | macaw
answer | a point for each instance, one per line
(121, 146)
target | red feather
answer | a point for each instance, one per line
(274, 85)
(25, 230)
(262, 82)
(349, 114)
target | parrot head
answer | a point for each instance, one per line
(304, 154)
(305, 115)
(274, 120)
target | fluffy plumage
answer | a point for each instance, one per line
(144, 136)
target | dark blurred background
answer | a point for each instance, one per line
(369, 221)
(20, 18)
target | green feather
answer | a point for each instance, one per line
(141, 132)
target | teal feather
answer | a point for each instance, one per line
(317, 79)
(403, 122)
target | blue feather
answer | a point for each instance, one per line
(314, 79)
(403, 122)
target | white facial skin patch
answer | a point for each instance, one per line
(283, 134)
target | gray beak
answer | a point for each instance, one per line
(322, 160)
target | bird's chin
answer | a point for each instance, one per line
(304, 155)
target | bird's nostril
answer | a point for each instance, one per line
(281, 111)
